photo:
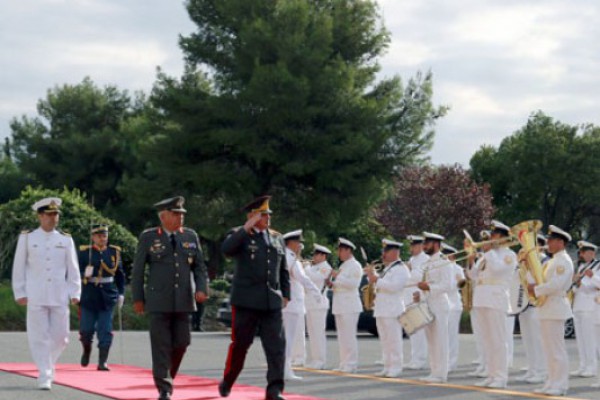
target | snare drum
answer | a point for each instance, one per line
(416, 316)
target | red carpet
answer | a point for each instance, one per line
(126, 382)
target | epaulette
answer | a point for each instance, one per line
(274, 232)
(84, 247)
(154, 228)
(115, 247)
(26, 231)
(64, 233)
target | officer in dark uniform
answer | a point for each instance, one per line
(260, 289)
(174, 257)
(102, 287)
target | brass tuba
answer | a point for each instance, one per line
(529, 261)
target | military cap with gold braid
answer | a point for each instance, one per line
(260, 204)
(48, 205)
(174, 204)
(99, 228)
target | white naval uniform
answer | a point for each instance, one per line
(418, 341)
(346, 308)
(294, 310)
(492, 303)
(584, 309)
(316, 316)
(46, 272)
(389, 304)
(553, 314)
(473, 274)
(456, 309)
(595, 280)
(438, 274)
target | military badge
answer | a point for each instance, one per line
(190, 260)
(508, 259)
(560, 270)
(189, 245)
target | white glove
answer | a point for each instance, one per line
(121, 300)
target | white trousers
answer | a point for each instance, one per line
(492, 325)
(585, 332)
(453, 339)
(418, 349)
(553, 343)
(48, 336)
(290, 325)
(346, 326)
(299, 347)
(531, 333)
(390, 337)
(475, 325)
(510, 340)
(316, 322)
(437, 345)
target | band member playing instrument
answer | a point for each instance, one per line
(418, 341)
(471, 272)
(437, 283)
(294, 311)
(530, 333)
(316, 311)
(555, 311)
(346, 304)
(584, 310)
(389, 305)
(456, 306)
(491, 300)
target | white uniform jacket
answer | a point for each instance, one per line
(586, 293)
(557, 277)
(298, 282)
(346, 297)
(438, 274)
(388, 288)
(416, 275)
(494, 276)
(318, 274)
(45, 269)
(454, 296)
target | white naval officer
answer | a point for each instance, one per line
(491, 299)
(555, 311)
(584, 310)
(316, 311)
(46, 278)
(456, 306)
(418, 341)
(294, 311)
(437, 284)
(347, 306)
(389, 305)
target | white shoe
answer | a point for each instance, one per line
(587, 374)
(393, 374)
(577, 372)
(415, 366)
(477, 361)
(535, 379)
(556, 392)
(431, 379)
(379, 362)
(497, 384)
(292, 377)
(541, 390)
(524, 378)
(348, 370)
(595, 385)
(45, 384)
(381, 373)
(315, 366)
(298, 363)
(479, 373)
(484, 383)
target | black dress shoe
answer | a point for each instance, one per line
(224, 389)
(164, 396)
(274, 396)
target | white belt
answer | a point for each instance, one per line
(490, 282)
(109, 279)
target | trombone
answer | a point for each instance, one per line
(471, 246)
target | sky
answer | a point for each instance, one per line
(494, 62)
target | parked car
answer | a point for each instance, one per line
(569, 328)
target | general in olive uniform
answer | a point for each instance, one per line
(260, 289)
(175, 269)
(103, 286)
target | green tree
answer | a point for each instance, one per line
(80, 139)
(283, 97)
(546, 170)
(76, 216)
(12, 179)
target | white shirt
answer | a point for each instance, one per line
(494, 276)
(318, 274)
(558, 278)
(585, 294)
(454, 296)
(346, 298)
(388, 290)
(438, 274)
(45, 269)
(416, 275)
(298, 283)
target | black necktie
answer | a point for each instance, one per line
(173, 242)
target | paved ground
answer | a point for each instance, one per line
(207, 354)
